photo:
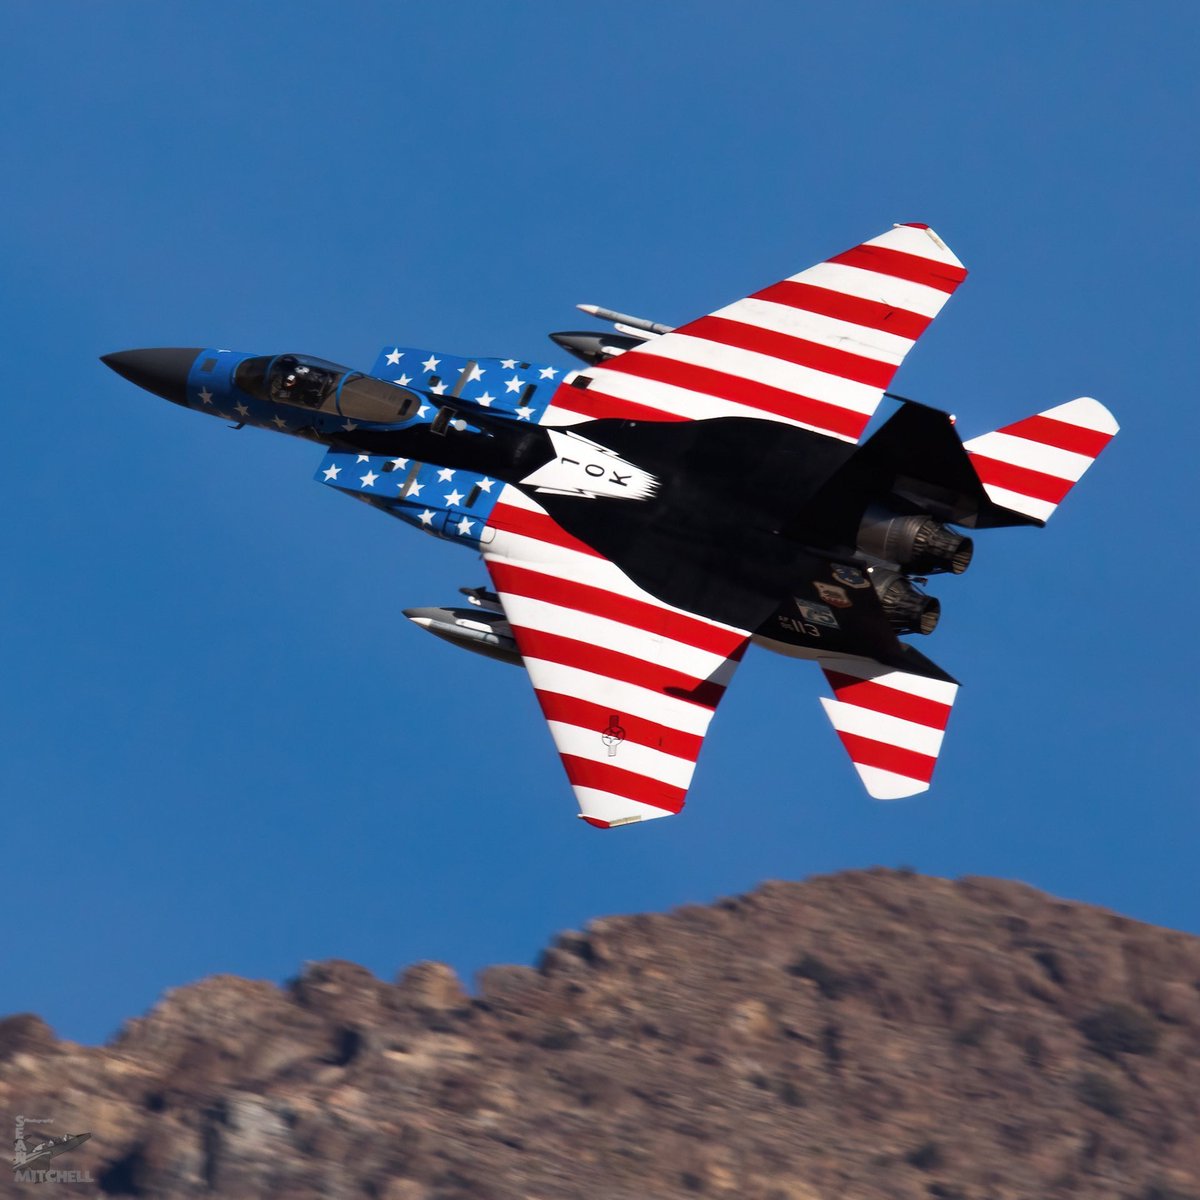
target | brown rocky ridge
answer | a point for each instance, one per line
(864, 1035)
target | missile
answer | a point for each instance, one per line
(608, 314)
(476, 629)
(594, 347)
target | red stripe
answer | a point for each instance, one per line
(536, 525)
(1060, 434)
(571, 710)
(899, 265)
(521, 581)
(880, 698)
(867, 752)
(831, 418)
(1035, 484)
(584, 773)
(626, 668)
(792, 349)
(594, 403)
(825, 302)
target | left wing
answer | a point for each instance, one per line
(817, 349)
(627, 683)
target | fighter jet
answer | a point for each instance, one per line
(41, 1155)
(689, 492)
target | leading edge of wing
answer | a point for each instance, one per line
(817, 349)
(628, 684)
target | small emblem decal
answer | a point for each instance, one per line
(614, 735)
(818, 614)
(850, 576)
(832, 594)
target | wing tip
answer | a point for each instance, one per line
(1087, 412)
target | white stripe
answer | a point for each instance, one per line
(525, 613)
(1034, 456)
(879, 727)
(814, 327)
(642, 760)
(670, 398)
(694, 406)
(887, 785)
(563, 417)
(870, 285)
(604, 806)
(923, 243)
(762, 368)
(619, 696)
(940, 690)
(1086, 413)
(1038, 509)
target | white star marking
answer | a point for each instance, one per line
(400, 463)
(394, 358)
(486, 399)
(403, 381)
(363, 458)
(422, 410)
(368, 480)
(476, 373)
(205, 396)
(454, 498)
(349, 426)
(427, 517)
(332, 472)
(280, 422)
(547, 373)
(431, 364)
(414, 488)
(513, 384)
(446, 474)
(242, 411)
(464, 526)
(509, 364)
(524, 412)
(485, 485)
(438, 389)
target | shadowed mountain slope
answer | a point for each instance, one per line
(864, 1035)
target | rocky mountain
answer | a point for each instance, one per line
(860, 1036)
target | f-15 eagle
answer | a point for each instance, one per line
(689, 492)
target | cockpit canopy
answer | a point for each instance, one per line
(313, 383)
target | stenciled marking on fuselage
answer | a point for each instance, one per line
(584, 468)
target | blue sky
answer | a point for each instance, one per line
(223, 747)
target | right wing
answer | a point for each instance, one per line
(816, 350)
(627, 683)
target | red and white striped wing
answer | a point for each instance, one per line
(1030, 466)
(891, 723)
(628, 684)
(817, 349)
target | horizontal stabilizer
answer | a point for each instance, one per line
(1030, 466)
(891, 723)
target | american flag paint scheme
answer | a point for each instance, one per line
(690, 491)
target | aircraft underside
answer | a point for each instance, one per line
(644, 519)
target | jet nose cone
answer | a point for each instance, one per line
(162, 371)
